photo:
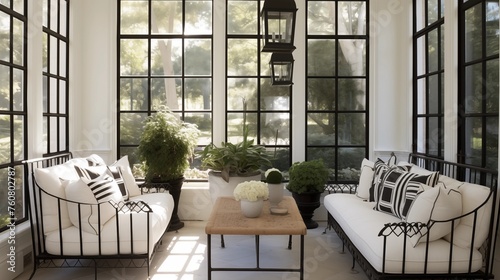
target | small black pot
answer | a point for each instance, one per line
(308, 202)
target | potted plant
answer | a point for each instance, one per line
(230, 164)
(165, 148)
(307, 181)
(251, 195)
(274, 179)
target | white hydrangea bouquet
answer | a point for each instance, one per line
(251, 191)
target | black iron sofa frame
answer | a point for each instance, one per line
(462, 172)
(43, 259)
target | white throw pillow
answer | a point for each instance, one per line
(365, 179)
(123, 166)
(50, 183)
(473, 196)
(89, 191)
(436, 204)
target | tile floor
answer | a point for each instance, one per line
(182, 256)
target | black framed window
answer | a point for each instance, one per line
(337, 84)
(248, 86)
(13, 110)
(164, 59)
(55, 44)
(428, 77)
(478, 82)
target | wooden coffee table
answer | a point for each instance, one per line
(226, 219)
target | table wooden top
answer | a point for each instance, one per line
(226, 218)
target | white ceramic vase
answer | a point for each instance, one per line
(251, 209)
(275, 194)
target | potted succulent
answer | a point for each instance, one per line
(165, 148)
(307, 181)
(230, 164)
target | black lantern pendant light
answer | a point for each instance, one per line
(282, 68)
(278, 25)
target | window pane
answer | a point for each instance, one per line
(242, 17)
(18, 42)
(4, 37)
(134, 16)
(53, 134)
(321, 17)
(204, 123)
(473, 33)
(351, 129)
(198, 57)
(131, 126)
(167, 17)
(327, 154)
(133, 57)
(53, 95)
(474, 141)
(265, 67)
(62, 97)
(274, 98)
(433, 50)
(133, 94)
(421, 57)
(432, 11)
(242, 57)
(492, 89)
(352, 94)
(321, 57)
(241, 90)
(352, 18)
(18, 90)
(166, 57)
(198, 17)
(434, 95)
(421, 96)
(492, 29)
(62, 59)
(4, 88)
(275, 128)
(53, 55)
(197, 94)
(492, 143)
(435, 136)
(5, 133)
(62, 134)
(235, 126)
(421, 135)
(321, 94)
(473, 92)
(350, 159)
(167, 91)
(352, 58)
(45, 51)
(321, 129)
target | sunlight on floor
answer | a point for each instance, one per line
(186, 254)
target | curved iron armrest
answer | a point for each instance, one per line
(341, 188)
(127, 207)
(402, 228)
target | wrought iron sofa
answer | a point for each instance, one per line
(455, 239)
(84, 213)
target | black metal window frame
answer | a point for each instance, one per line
(263, 81)
(12, 170)
(433, 119)
(337, 162)
(55, 77)
(464, 145)
(129, 148)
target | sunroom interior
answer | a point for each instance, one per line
(371, 78)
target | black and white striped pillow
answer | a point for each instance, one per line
(398, 189)
(104, 188)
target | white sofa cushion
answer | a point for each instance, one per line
(162, 205)
(436, 204)
(362, 224)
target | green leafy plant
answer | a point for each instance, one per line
(308, 176)
(166, 145)
(240, 159)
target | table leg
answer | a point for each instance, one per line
(290, 242)
(302, 257)
(209, 256)
(257, 242)
(222, 243)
